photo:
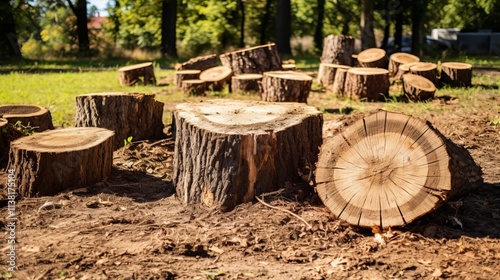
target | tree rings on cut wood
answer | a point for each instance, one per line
(32, 116)
(397, 59)
(246, 82)
(327, 71)
(427, 70)
(133, 115)
(370, 84)
(216, 77)
(456, 74)
(403, 69)
(387, 169)
(194, 87)
(199, 63)
(373, 57)
(418, 88)
(183, 75)
(285, 86)
(51, 161)
(257, 59)
(338, 50)
(227, 152)
(139, 73)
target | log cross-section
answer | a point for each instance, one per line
(35, 117)
(397, 59)
(374, 58)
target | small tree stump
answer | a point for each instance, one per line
(456, 74)
(49, 162)
(139, 73)
(285, 86)
(227, 152)
(133, 115)
(374, 58)
(216, 77)
(289, 67)
(418, 88)
(183, 75)
(257, 60)
(427, 70)
(404, 69)
(194, 87)
(199, 63)
(338, 50)
(338, 87)
(4, 141)
(36, 117)
(370, 84)
(246, 82)
(326, 73)
(397, 59)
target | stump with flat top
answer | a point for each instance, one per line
(227, 151)
(194, 87)
(183, 75)
(49, 162)
(427, 70)
(137, 74)
(285, 86)
(373, 58)
(199, 63)
(33, 117)
(246, 82)
(456, 74)
(327, 71)
(216, 77)
(338, 50)
(367, 84)
(133, 115)
(404, 69)
(418, 88)
(387, 169)
(338, 86)
(256, 60)
(397, 59)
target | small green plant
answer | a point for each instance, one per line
(127, 141)
(25, 129)
(495, 120)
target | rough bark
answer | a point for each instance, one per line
(228, 152)
(396, 59)
(257, 60)
(338, 50)
(194, 87)
(182, 75)
(283, 29)
(326, 73)
(367, 84)
(140, 73)
(285, 86)
(338, 86)
(367, 24)
(169, 27)
(456, 74)
(418, 88)
(9, 45)
(246, 82)
(427, 70)
(374, 58)
(318, 30)
(199, 63)
(216, 77)
(31, 116)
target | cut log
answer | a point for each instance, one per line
(199, 63)
(4, 142)
(338, 87)
(139, 73)
(388, 169)
(246, 82)
(52, 161)
(285, 86)
(257, 60)
(418, 88)
(397, 59)
(456, 74)
(289, 67)
(32, 117)
(338, 50)
(183, 75)
(133, 115)
(217, 77)
(227, 152)
(404, 69)
(370, 84)
(427, 70)
(373, 58)
(326, 73)
(194, 87)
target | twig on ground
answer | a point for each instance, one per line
(285, 210)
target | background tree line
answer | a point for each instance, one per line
(194, 27)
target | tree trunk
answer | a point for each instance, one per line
(283, 26)
(265, 22)
(387, 23)
(326, 73)
(9, 45)
(285, 86)
(217, 77)
(31, 116)
(128, 114)
(241, 7)
(169, 28)
(396, 59)
(388, 169)
(318, 31)
(338, 50)
(418, 88)
(256, 60)
(80, 11)
(403, 69)
(140, 73)
(398, 31)
(374, 58)
(456, 74)
(338, 86)
(418, 12)
(194, 87)
(199, 63)
(228, 152)
(52, 161)
(370, 84)
(366, 24)
(246, 82)
(183, 75)
(427, 70)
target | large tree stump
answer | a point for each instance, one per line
(227, 152)
(183, 75)
(418, 88)
(199, 63)
(404, 69)
(338, 86)
(327, 71)
(456, 74)
(194, 87)
(257, 60)
(338, 50)
(370, 84)
(396, 59)
(374, 58)
(33, 117)
(388, 169)
(216, 77)
(246, 82)
(427, 70)
(133, 115)
(139, 73)
(48, 162)
(4, 141)
(285, 86)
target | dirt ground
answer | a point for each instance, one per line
(132, 227)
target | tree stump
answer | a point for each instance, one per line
(139, 73)
(257, 60)
(216, 77)
(387, 169)
(133, 115)
(338, 87)
(246, 82)
(194, 87)
(227, 152)
(199, 63)
(418, 88)
(397, 59)
(456, 74)
(4, 141)
(404, 69)
(370, 84)
(32, 116)
(338, 50)
(183, 75)
(285, 86)
(373, 58)
(289, 67)
(49, 162)
(427, 70)
(326, 73)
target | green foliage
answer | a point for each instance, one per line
(127, 141)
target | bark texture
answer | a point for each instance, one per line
(246, 82)
(285, 86)
(418, 88)
(427, 70)
(327, 71)
(253, 60)
(199, 63)
(182, 75)
(456, 74)
(36, 117)
(137, 74)
(367, 84)
(338, 50)
(194, 87)
(338, 86)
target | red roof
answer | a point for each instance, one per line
(96, 22)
